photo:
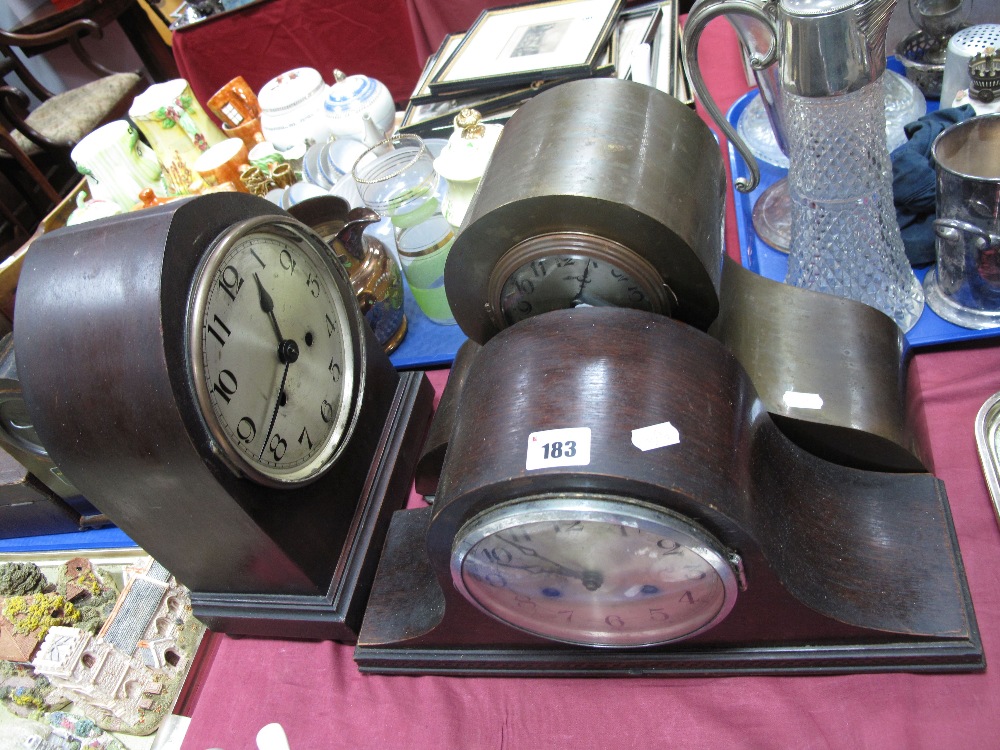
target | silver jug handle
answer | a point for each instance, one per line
(701, 13)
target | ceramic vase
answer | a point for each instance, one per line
(178, 129)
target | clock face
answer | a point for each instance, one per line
(597, 571)
(272, 351)
(568, 269)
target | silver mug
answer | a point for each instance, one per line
(964, 288)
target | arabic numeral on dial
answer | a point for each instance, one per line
(220, 330)
(525, 602)
(277, 446)
(230, 282)
(559, 449)
(635, 294)
(246, 430)
(495, 580)
(304, 437)
(614, 621)
(658, 614)
(312, 283)
(524, 307)
(524, 286)
(687, 596)
(334, 371)
(326, 411)
(330, 327)
(287, 261)
(498, 555)
(257, 258)
(538, 268)
(225, 386)
(567, 613)
(669, 547)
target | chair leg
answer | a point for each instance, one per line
(25, 162)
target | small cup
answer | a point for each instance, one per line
(248, 131)
(235, 103)
(265, 156)
(224, 162)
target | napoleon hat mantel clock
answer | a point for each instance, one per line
(592, 519)
(201, 371)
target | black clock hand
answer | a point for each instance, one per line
(267, 306)
(274, 412)
(591, 579)
(583, 280)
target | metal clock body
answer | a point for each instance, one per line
(595, 570)
(202, 373)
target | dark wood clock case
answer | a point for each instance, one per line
(100, 340)
(846, 569)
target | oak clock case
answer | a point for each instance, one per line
(599, 193)
(622, 524)
(227, 407)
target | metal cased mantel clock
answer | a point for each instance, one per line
(201, 371)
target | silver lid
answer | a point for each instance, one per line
(832, 47)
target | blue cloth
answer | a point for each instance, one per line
(914, 181)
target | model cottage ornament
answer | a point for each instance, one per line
(127, 677)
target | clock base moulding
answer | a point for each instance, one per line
(337, 614)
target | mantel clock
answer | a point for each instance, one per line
(201, 371)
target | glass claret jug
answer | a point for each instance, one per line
(819, 65)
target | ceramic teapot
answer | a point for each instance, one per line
(291, 104)
(352, 97)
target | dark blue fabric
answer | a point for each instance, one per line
(914, 181)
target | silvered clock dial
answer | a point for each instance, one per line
(595, 570)
(272, 351)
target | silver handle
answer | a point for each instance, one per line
(703, 12)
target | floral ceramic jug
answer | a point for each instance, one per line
(178, 129)
(117, 166)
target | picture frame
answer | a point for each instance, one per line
(525, 43)
(422, 92)
(636, 26)
(441, 112)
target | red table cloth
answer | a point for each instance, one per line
(315, 691)
(262, 41)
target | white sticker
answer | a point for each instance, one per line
(566, 447)
(796, 400)
(655, 436)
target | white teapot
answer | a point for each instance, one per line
(352, 97)
(291, 107)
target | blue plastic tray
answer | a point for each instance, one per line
(758, 256)
(426, 344)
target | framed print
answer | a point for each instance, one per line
(636, 26)
(422, 91)
(524, 43)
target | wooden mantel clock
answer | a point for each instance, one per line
(202, 373)
(615, 499)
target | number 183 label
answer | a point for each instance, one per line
(565, 447)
